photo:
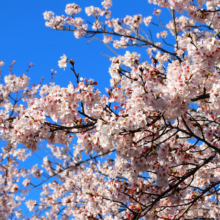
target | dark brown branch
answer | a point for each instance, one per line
(201, 97)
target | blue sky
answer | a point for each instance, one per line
(25, 38)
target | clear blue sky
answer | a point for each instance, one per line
(25, 38)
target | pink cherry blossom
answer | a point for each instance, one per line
(63, 62)
(148, 148)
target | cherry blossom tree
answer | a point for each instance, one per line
(147, 149)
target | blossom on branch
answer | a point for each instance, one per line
(63, 62)
(146, 149)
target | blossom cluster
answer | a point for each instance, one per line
(142, 150)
